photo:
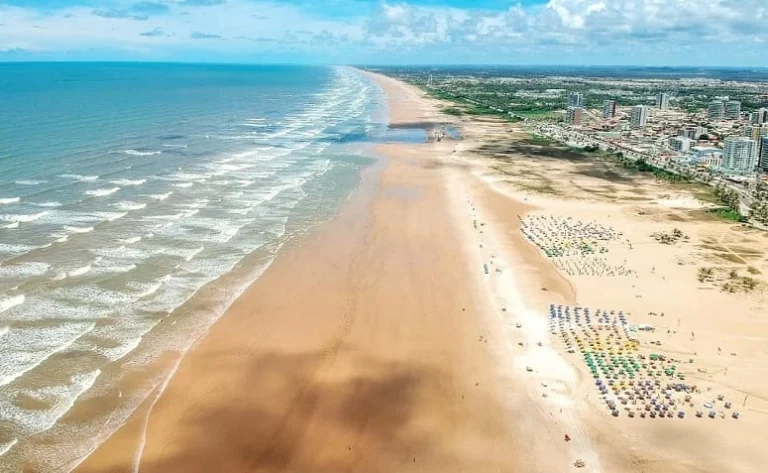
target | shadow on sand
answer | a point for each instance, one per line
(315, 412)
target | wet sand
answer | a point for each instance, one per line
(372, 345)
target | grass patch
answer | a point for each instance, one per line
(728, 214)
(481, 110)
(454, 111)
(539, 140)
(536, 114)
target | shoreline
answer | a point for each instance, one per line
(409, 374)
(409, 333)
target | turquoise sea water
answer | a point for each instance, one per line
(136, 202)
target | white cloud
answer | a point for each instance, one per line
(591, 28)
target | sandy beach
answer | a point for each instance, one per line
(370, 346)
(410, 333)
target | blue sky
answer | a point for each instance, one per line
(633, 32)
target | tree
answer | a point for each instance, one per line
(759, 207)
(731, 199)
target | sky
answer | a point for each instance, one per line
(390, 32)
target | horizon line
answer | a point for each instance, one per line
(388, 65)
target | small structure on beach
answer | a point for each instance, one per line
(576, 247)
(627, 375)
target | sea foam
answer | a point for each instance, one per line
(60, 398)
(80, 178)
(79, 271)
(25, 349)
(10, 302)
(160, 196)
(23, 218)
(133, 152)
(5, 447)
(129, 182)
(9, 200)
(78, 229)
(102, 192)
(129, 205)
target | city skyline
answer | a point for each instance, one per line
(439, 32)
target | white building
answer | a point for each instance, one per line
(639, 116)
(740, 155)
(662, 100)
(609, 109)
(732, 110)
(575, 99)
(716, 110)
(680, 144)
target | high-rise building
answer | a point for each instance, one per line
(732, 110)
(639, 116)
(754, 132)
(716, 110)
(700, 131)
(740, 155)
(575, 99)
(662, 100)
(609, 109)
(763, 163)
(574, 115)
(758, 117)
(680, 144)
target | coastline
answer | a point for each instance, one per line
(409, 333)
(367, 347)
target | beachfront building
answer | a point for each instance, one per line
(609, 109)
(716, 110)
(574, 115)
(575, 99)
(639, 116)
(662, 100)
(732, 110)
(680, 144)
(763, 163)
(740, 155)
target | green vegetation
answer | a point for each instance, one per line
(730, 198)
(539, 140)
(759, 212)
(728, 214)
(642, 165)
(456, 112)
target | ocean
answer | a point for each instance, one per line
(137, 201)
